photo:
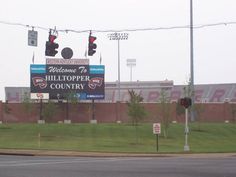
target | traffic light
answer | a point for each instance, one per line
(51, 46)
(185, 102)
(92, 46)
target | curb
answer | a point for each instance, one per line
(75, 153)
(22, 152)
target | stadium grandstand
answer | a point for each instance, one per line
(149, 90)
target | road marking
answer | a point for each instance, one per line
(67, 161)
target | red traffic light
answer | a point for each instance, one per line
(92, 39)
(51, 46)
(185, 102)
(91, 46)
(51, 49)
(52, 38)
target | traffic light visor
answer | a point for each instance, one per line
(92, 39)
(52, 38)
(186, 102)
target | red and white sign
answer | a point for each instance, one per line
(156, 128)
(37, 96)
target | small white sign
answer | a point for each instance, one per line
(131, 62)
(33, 38)
(156, 128)
(36, 96)
(59, 61)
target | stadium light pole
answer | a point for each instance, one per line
(131, 63)
(118, 37)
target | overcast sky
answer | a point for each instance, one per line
(160, 54)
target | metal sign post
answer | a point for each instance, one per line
(186, 146)
(157, 131)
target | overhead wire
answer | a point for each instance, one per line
(120, 30)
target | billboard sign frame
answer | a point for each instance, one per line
(58, 79)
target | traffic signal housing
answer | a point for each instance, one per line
(51, 46)
(92, 46)
(185, 102)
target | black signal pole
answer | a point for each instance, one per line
(41, 110)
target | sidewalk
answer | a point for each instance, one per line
(109, 154)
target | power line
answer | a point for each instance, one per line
(121, 30)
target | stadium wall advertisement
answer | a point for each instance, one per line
(149, 90)
(56, 81)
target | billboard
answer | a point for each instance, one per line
(59, 80)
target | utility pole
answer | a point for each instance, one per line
(191, 61)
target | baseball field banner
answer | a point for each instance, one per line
(59, 80)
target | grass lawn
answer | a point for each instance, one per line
(206, 137)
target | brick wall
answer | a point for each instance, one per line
(108, 112)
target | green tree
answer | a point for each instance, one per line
(233, 112)
(72, 98)
(165, 112)
(136, 110)
(27, 103)
(179, 109)
(198, 110)
(49, 110)
(7, 110)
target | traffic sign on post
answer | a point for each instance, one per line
(156, 128)
(157, 132)
(32, 38)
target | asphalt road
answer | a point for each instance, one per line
(46, 166)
